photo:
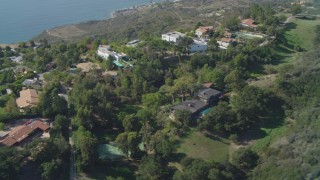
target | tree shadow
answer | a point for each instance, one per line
(177, 157)
(120, 168)
(272, 118)
(216, 137)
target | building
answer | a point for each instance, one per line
(194, 106)
(28, 98)
(32, 83)
(113, 74)
(198, 46)
(224, 43)
(86, 67)
(133, 43)
(203, 30)
(16, 59)
(105, 52)
(173, 36)
(23, 133)
(248, 23)
(209, 95)
(227, 35)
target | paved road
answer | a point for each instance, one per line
(288, 20)
(73, 170)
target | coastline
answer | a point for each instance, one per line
(12, 46)
(132, 9)
(112, 15)
(72, 32)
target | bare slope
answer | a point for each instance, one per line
(154, 19)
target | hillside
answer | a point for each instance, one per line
(154, 19)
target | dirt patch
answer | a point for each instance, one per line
(264, 81)
(12, 46)
(66, 32)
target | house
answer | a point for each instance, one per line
(207, 85)
(32, 83)
(113, 74)
(28, 98)
(173, 36)
(204, 30)
(121, 56)
(105, 52)
(227, 35)
(248, 23)
(16, 59)
(21, 70)
(198, 45)
(133, 43)
(23, 133)
(208, 95)
(86, 67)
(194, 106)
(224, 43)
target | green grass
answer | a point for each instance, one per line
(300, 32)
(303, 34)
(198, 145)
(113, 169)
(130, 109)
(271, 135)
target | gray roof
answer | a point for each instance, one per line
(208, 93)
(190, 105)
(30, 82)
(175, 34)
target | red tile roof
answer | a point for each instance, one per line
(249, 22)
(20, 133)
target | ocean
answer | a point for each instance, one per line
(21, 20)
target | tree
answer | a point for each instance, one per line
(11, 106)
(61, 125)
(52, 104)
(295, 9)
(252, 103)
(131, 123)
(128, 142)
(9, 163)
(235, 80)
(183, 116)
(164, 148)
(245, 159)
(32, 44)
(86, 145)
(154, 100)
(150, 168)
(213, 44)
(50, 170)
(2, 126)
(232, 23)
(221, 118)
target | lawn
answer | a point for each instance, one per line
(198, 145)
(271, 135)
(300, 32)
(303, 33)
(114, 169)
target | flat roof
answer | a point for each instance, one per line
(175, 34)
(190, 105)
(208, 93)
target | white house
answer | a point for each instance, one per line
(198, 46)
(173, 36)
(105, 52)
(120, 56)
